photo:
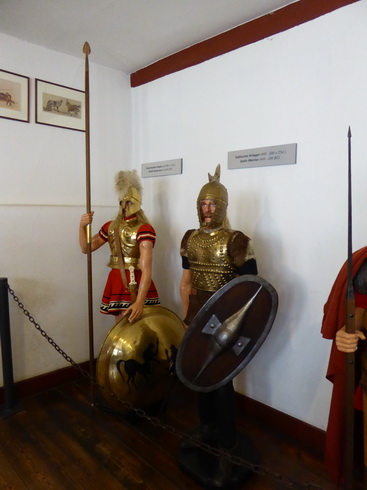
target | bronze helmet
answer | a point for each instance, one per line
(216, 192)
(129, 190)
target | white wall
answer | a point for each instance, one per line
(304, 86)
(42, 195)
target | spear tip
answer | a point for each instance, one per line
(86, 48)
(349, 132)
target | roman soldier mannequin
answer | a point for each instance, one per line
(333, 327)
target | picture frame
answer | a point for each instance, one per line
(60, 106)
(14, 96)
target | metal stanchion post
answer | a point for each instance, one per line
(10, 406)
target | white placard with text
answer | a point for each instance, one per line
(158, 169)
(263, 157)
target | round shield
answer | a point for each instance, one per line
(226, 333)
(137, 359)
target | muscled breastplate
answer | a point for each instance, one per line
(210, 264)
(127, 233)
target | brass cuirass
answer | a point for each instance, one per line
(128, 231)
(210, 264)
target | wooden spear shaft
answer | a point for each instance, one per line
(350, 357)
(86, 51)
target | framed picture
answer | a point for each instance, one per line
(14, 96)
(60, 106)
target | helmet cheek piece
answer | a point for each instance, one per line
(132, 208)
(219, 214)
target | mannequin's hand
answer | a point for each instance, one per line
(348, 342)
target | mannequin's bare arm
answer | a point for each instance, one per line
(96, 241)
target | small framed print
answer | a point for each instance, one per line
(14, 96)
(57, 105)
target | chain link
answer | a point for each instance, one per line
(285, 481)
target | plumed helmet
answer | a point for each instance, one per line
(129, 191)
(216, 192)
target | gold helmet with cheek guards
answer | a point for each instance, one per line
(214, 191)
(129, 191)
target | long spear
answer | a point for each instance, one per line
(86, 51)
(350, 328)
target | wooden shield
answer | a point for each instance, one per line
(226, 333)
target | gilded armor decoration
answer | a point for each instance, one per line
(210, 263)
(128, 230)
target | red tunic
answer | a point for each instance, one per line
(333, 320)
(116, 298)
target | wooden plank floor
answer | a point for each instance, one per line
(60, 441)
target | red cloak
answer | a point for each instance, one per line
(333, 320)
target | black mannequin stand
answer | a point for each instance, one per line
(213, 471)
(218, 429)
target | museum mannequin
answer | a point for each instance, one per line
(212, 256)
(333, 328)
(129, 286)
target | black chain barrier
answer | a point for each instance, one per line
(261, 470)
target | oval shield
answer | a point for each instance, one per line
(226, 333)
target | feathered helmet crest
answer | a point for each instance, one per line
(129, 190)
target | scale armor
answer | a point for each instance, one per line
(213, 258)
